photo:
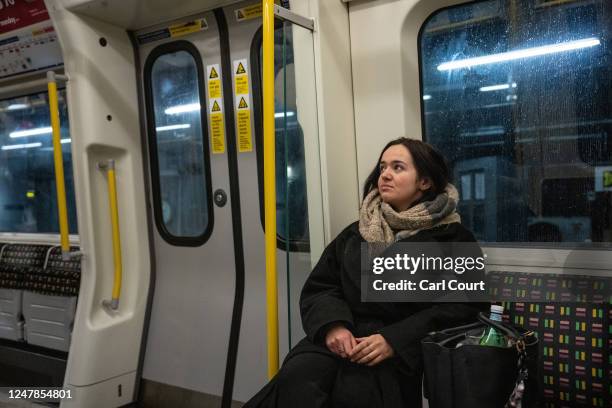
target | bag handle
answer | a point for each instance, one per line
(507, 330)
(458, 329)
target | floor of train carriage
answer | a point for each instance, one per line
(6, 402)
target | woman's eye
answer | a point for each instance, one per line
(397, 167)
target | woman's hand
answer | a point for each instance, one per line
(340, 340)
(371, 350)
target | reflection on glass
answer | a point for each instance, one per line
(28, 199)
(180, 149)
(518, 99)
(291, 198)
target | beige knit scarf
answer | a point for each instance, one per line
(379, 222)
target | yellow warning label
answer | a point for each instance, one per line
(241, 77)
(245, 143)
(214, 81)
(214, 88)
(240, 69)
(242, 85)
(249, 12)
(213, 73)
(178, 30)
(607, 179)
(243, 104)
(217, 125)
(217, 131)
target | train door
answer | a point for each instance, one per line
(201, 82)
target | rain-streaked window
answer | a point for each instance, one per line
(516, 94)
(28, 199)
(179, 145)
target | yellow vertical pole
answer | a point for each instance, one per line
(59, 164)
(270, 185)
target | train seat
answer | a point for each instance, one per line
(48, 320)
(11, 322)
(38, 295)
(15, 261)
(575, 366)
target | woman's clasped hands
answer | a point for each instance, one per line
(369, 350)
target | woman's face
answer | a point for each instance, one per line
(399, 183)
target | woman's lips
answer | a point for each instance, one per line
(385, 187)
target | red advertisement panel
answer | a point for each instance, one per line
(15, 14)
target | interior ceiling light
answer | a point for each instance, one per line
(282, 115)
(173, 127)
(191, 107)
(518, 54)
(30, 132)
(497, 87)
(17, 106)
(21, 146)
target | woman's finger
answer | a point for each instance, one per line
(363, 353)
(358, 348)
(347, 346)
(369, 357)
(377, 360)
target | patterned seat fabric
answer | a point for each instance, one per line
(575, 344)
(61, 278)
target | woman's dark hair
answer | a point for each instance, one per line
(428, 162)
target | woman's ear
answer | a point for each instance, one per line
(425, 184)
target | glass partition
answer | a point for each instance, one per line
(28, 198)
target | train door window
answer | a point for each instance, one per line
(178, 144)
(471, 205)
(516, 94)
(292, 203)
(28, 199)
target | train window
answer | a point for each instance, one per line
(517, 95)
(28, 199)
(291, 198)
(178, 144)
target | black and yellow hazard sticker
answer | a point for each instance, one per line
(179, 30)
(250, 12)
(243, 108)
(243, 123)
(215, 110)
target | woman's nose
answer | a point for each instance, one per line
(385, 174)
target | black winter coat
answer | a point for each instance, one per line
(332, 294)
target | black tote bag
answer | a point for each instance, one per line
(474, 376)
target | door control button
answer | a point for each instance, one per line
(220, 197)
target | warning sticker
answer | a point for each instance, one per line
(217, 126)
(179, 30)
(603, 178)
(214, 81)
(243, 123)
(243, 105)
(250, 12)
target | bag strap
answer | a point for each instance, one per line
(458, 329)
(507, 330)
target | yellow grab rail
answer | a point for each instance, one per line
(270, 186)
(109, 167)
(60, 186)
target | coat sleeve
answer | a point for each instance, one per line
(322, 301)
